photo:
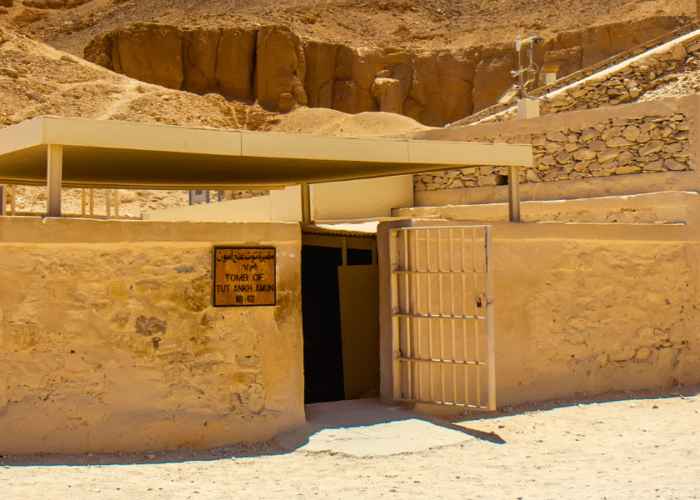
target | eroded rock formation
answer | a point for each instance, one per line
(272, 65)
(54, 4)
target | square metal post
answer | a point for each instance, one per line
(513, 194)
(305, 203)
(54, 179)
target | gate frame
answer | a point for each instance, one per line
(388, 350)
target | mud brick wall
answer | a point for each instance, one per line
(110, 341)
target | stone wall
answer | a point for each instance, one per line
(616, 146)
(110, 341)
(627, 82)
(583, 308)
(272, 65)
(594, 316)
(666, 207)
(641, 138)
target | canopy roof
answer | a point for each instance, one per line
(101, 153)
(75, 152)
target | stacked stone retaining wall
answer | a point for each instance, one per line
(625, 83)
(642, 138)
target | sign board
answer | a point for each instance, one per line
(244, 276)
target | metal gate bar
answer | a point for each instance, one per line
(422, 303)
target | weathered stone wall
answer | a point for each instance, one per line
(628, 82)
(584, 309)
(624, 83)
(641, 138)
(272, 65)
(595, 316)
(616, 146)
(109, 340)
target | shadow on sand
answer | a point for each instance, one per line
(356, 420)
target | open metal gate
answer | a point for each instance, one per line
(442, 308)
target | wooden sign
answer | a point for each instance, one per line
(244, 276)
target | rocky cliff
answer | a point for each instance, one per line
(272, 65)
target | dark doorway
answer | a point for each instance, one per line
(320, 309)
(324, 371)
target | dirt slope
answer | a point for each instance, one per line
(402, 23)
(37, 80)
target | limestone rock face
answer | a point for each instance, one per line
(200, 60)
(48, 4)
(457, 79)
(270, 63)
(320, 77)
(574, 50)
(280, 66)
(493, 77)
(388, 92)
(151, 53)
(568, 60)
(99, 50)
(234, 63)
(365, 64)
(442, 87)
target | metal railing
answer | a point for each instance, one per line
(581, 74)
(87, 204)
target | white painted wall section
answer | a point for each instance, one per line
(360, 199)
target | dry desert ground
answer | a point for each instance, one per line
(640, 445)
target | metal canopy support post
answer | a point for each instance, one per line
(305, 203)
(513, 194)
(54, 179)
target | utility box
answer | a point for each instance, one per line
(550, 74)
(528, 108)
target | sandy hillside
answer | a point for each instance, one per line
(403, 23)
(36, 80)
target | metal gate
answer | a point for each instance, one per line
(442, 308)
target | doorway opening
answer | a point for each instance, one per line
(340, 311)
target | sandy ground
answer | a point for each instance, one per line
(617, 446)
